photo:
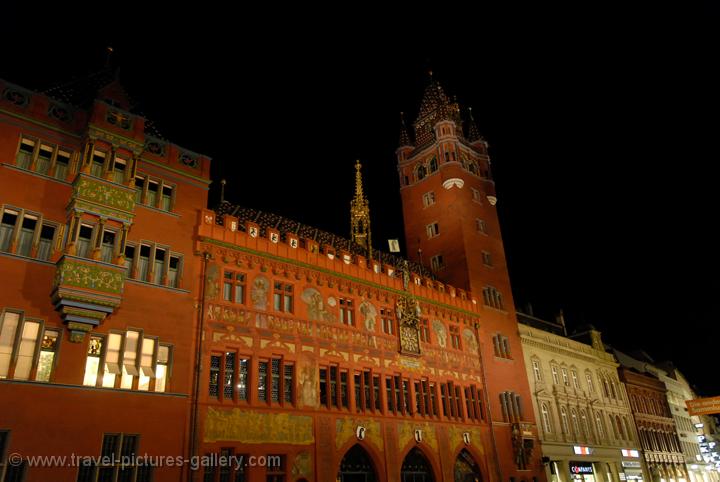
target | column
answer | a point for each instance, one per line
(96, 252)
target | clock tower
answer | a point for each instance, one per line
(452, 228)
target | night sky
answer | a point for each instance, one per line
(602, 125)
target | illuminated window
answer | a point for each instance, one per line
(566, 380)
(234, 287)
(455, 336)
(387, 316)
(27, 351)
(46, 359)
(347, 311)
(283, 297)
(276, 376)
(546, 417)
(536, 370)
(23, 231)
(576, 381)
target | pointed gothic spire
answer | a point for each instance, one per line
(360, 214)
(436, 106)
(404, 136)
(473, 132)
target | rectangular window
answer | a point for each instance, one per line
(437, 263)
(129, 258)
(344, 388)
(139, 188)
(555, 375)
(275, 380)
(25, 153)
(26, 235)
(214, 385)
(388, 320)
(283, 297)
(502, 346)
(158, 271)
(167, 194)
(455, 336)
(130, 359)
(389, 394)
(424, 331)
(323, 387)
(432, 230)
(576, 382)
(492, 298)
(147, 358)
(46, 360)
(112, 360)
(428, 199)
(333, 395)
(566, 380)
(119, 170)
(7, 228)
(173, 269)
(376, 391)
(26, 350)
(229, 376)
(62, 164)
(234, 287)
(476, 196)
(92, 363)
(487, 259)
(536, 370)
(107, 247)
(47, 238)
(44, 157)
(288, 382)
(346, 311)
(591, 387)
(152, 193)
(143, 263)
(98, 163)
(161, 368)
(84, 240)
(262, 380)
(8, 328)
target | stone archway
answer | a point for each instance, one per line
(356, 466)
(466, 468)
(416, 468)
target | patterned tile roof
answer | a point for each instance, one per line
(269, 220)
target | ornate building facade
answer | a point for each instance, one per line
(134, 321)
(353, 365)
(655, 425)
(97, 214)
(586, 425)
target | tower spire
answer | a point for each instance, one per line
(360, 214)
(404, 137)
(473, 132)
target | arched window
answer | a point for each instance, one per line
(606, 387)
(433, 165)
(356, 465)
(564, 420)
(575, 423)
(421, 172)
(546, 417)
(599, 425)
(628, 431)
(620, 427)
(615, 430)
(585, 425)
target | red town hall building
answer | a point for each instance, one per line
(135, 322)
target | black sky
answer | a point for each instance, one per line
(602, 124)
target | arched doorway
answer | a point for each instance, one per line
(356, 466)
(416, 468)
(466, 469)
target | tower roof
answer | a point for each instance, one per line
(82, 91)
(436, 106)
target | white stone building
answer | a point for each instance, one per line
(584, 418)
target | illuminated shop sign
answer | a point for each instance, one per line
(580, 450)
(630, 453)
(581, 468)
(632, 464)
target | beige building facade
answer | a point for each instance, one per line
(585, 424)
